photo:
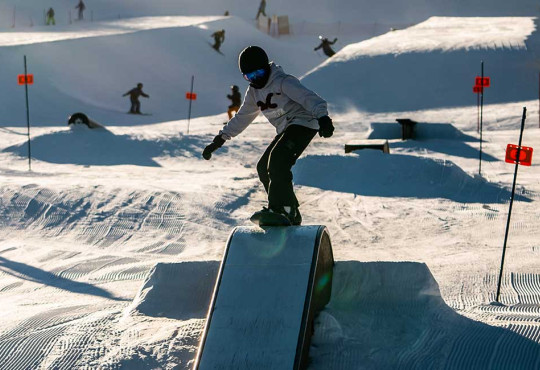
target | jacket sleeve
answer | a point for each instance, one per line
(311, 102)
(246, 114)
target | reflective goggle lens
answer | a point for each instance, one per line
(253, 76)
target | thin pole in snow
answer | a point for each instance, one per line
(27, 114)
(481, 117)
(190, 100)
(478, 113)
(511, 202)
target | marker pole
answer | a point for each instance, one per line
(190, 100)
(511, 203)
(481, 117)
(27, 114)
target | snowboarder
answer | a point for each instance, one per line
(262, 9)
(134, 98)
(219, 37)
(81, 8)
(236, 100)
(296, 112)
(50, 17)
(325, 45)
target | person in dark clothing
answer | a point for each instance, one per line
(325, 45)
(296, 112)
(236, 100)
(262, 9)
(50, 17)
(81, 8)
(219, 37)
(134, 98)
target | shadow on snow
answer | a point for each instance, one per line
(373, 173)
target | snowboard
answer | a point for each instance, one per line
(266, 218)
(140, 114)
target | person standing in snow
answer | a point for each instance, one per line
(296, 112)
(219, 37)
(81, 8)
(262, 9)
(50, 17)
(236, 100)
(325, 45)
(134, 98)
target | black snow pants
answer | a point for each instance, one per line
(274, 167)
(135, 106)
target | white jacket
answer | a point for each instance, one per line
(284, 101)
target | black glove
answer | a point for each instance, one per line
(216, 144)
(326, 129)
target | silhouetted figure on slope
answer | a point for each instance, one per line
(81, 8)
(219, 37)
(236, 100)
(50, 17)
(262, 9)
(134, 98)
(325, 45)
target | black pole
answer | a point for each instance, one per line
(511, 202)
(190, 100)
(478, 112)
(481, 116)
(27, 115)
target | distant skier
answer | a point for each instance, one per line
(50, 17)
(81, 8)
(236, 100)
(134, 98)
(219, 38)
(325, 45)
(262, 9)
(296, 112)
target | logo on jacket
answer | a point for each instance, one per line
(268, 104)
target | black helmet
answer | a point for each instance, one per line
(139, 85)
(251, 59)
(234, 88)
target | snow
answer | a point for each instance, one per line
(110, 245)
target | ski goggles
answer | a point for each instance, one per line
(255, 75)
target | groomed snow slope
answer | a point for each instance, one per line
(109, 246)
(90, 72)
(433, 65)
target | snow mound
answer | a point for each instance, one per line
(179, 291)
(101, 147)
(433, 65)
(90, 74)
(422, 131)
(389, 315)
(373, 173)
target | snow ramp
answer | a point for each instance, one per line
(271, 284)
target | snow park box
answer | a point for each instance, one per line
(271, 284)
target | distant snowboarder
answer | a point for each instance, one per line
(236, 100)
(262, 9)
(134, 98)
(219, 37)
(50, 17)
(325, 45)
(296, 112)
(81, 8)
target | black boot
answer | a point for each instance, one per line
(292, 213)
